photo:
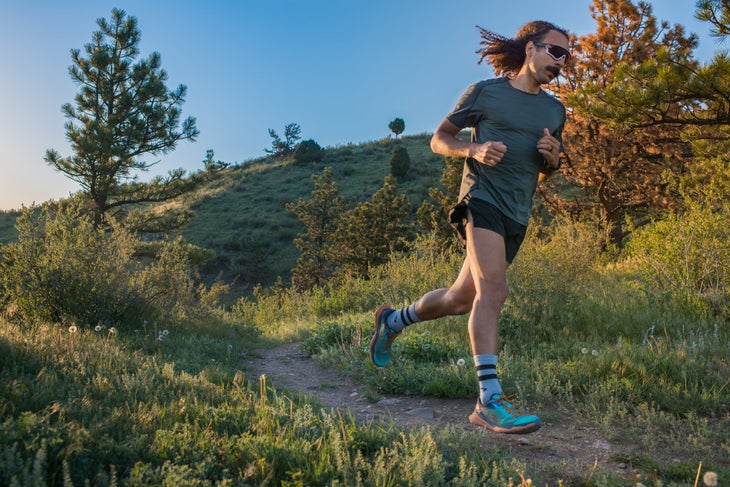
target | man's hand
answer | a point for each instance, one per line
(488, 153)
(549, 147)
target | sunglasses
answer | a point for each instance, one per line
(556, 52)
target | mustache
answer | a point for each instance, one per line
(554, 70)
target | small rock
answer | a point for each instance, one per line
(602, 445)
(388, 402)
(524, 441)
(354, 394)
(426, 413)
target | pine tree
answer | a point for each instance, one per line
(671, 91)
(374, 229)
(717, 13)
(397, 126)
(619, 163)
(282, 148)
(321, 216)
(122, 113)
(709, 179)
(433, 215)
(400, 162)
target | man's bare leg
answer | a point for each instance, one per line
(488, 265)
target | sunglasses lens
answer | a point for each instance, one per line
(558, 53)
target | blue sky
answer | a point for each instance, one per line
(341, 69)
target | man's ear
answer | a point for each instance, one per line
(529, 48)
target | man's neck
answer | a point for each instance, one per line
(525, 82)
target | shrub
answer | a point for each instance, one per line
(308, 151)
(554, 275)
(548, 264)
(400, 162)
(687, 255)
(63, 269)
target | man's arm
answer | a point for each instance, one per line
(446, 142)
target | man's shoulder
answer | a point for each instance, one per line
(486, 86)
(551, 97)
(491, 82)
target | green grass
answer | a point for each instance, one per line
(123, 408)
(585, 333)
(126, 408)
(578, 335)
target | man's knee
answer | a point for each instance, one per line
(495, 291)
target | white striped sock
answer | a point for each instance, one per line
(399, 319)
(487, 374)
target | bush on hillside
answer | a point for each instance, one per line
(62, 269)
(400, 162)
(308, 151)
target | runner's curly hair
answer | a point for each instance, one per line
(507, 55)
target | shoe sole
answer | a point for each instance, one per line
(378, 312)
(475, 418)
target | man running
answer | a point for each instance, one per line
(516, 139)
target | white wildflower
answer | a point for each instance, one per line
(72, 329)
(594, 353)
(710, 479)
(461, 362)
(584, 351)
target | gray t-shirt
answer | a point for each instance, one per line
(498, 112)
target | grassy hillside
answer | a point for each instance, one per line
(241, 214)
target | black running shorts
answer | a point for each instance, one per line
(488, 216)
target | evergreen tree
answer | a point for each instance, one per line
(671, 93)
(122, 113)
(374, 229)
(717, 13)
(400, 162)
(433, 216)
(282, 148)
(210, 164)
(709, 179)
(321, 216)
(618, 161)
(397, 126)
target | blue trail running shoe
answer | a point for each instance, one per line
(383, 338)
(498, 417)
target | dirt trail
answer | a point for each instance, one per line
(559, 449)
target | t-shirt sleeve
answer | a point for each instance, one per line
(463, 115)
